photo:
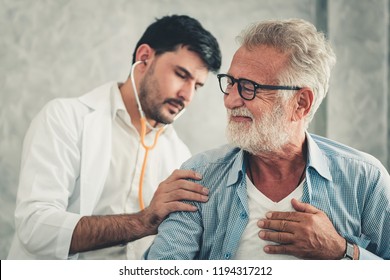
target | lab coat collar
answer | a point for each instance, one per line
(118, 105)
(98, 98)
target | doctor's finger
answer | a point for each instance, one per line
(180, 206)
(184, 185)
(183, 194)
(183, 174)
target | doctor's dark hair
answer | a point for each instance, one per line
(170, 32)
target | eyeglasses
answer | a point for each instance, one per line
(246, 88)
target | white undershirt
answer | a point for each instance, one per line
(251, 246)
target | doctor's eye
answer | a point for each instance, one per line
(182, 75)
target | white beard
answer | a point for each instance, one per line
(264, 135)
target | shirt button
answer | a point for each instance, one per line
(243, 215)
(228, 256)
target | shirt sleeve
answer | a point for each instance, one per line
(367, 255)
(49, 170)
(178, 237)
(376, 216)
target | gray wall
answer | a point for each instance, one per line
(67, 47)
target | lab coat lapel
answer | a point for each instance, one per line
(96, 148)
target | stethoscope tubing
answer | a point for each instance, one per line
(144, 124)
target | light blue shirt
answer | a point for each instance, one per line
(351, 187)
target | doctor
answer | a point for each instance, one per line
(87, 190)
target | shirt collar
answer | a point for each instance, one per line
(117, 104)
(316, 159)
(238, 168)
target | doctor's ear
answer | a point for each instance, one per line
(144, 53)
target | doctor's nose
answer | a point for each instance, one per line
(187, 92)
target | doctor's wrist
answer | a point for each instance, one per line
(149, 221)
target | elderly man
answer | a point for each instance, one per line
(280, 192)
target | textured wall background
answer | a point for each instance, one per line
(357, 105)
(67, 47)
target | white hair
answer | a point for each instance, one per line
(311, 57)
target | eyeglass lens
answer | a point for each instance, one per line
(245, 88)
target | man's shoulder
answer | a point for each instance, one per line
(334, 150)
(100, 96)
(80, 104)
(71, 111)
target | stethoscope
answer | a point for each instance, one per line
(144, 124)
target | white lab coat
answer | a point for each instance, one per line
(67, 149)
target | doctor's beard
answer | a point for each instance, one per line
(151, 101)
(266, 134)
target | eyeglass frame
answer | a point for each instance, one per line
(255, 85)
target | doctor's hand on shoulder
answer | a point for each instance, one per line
(169, 197)
(95, 232)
